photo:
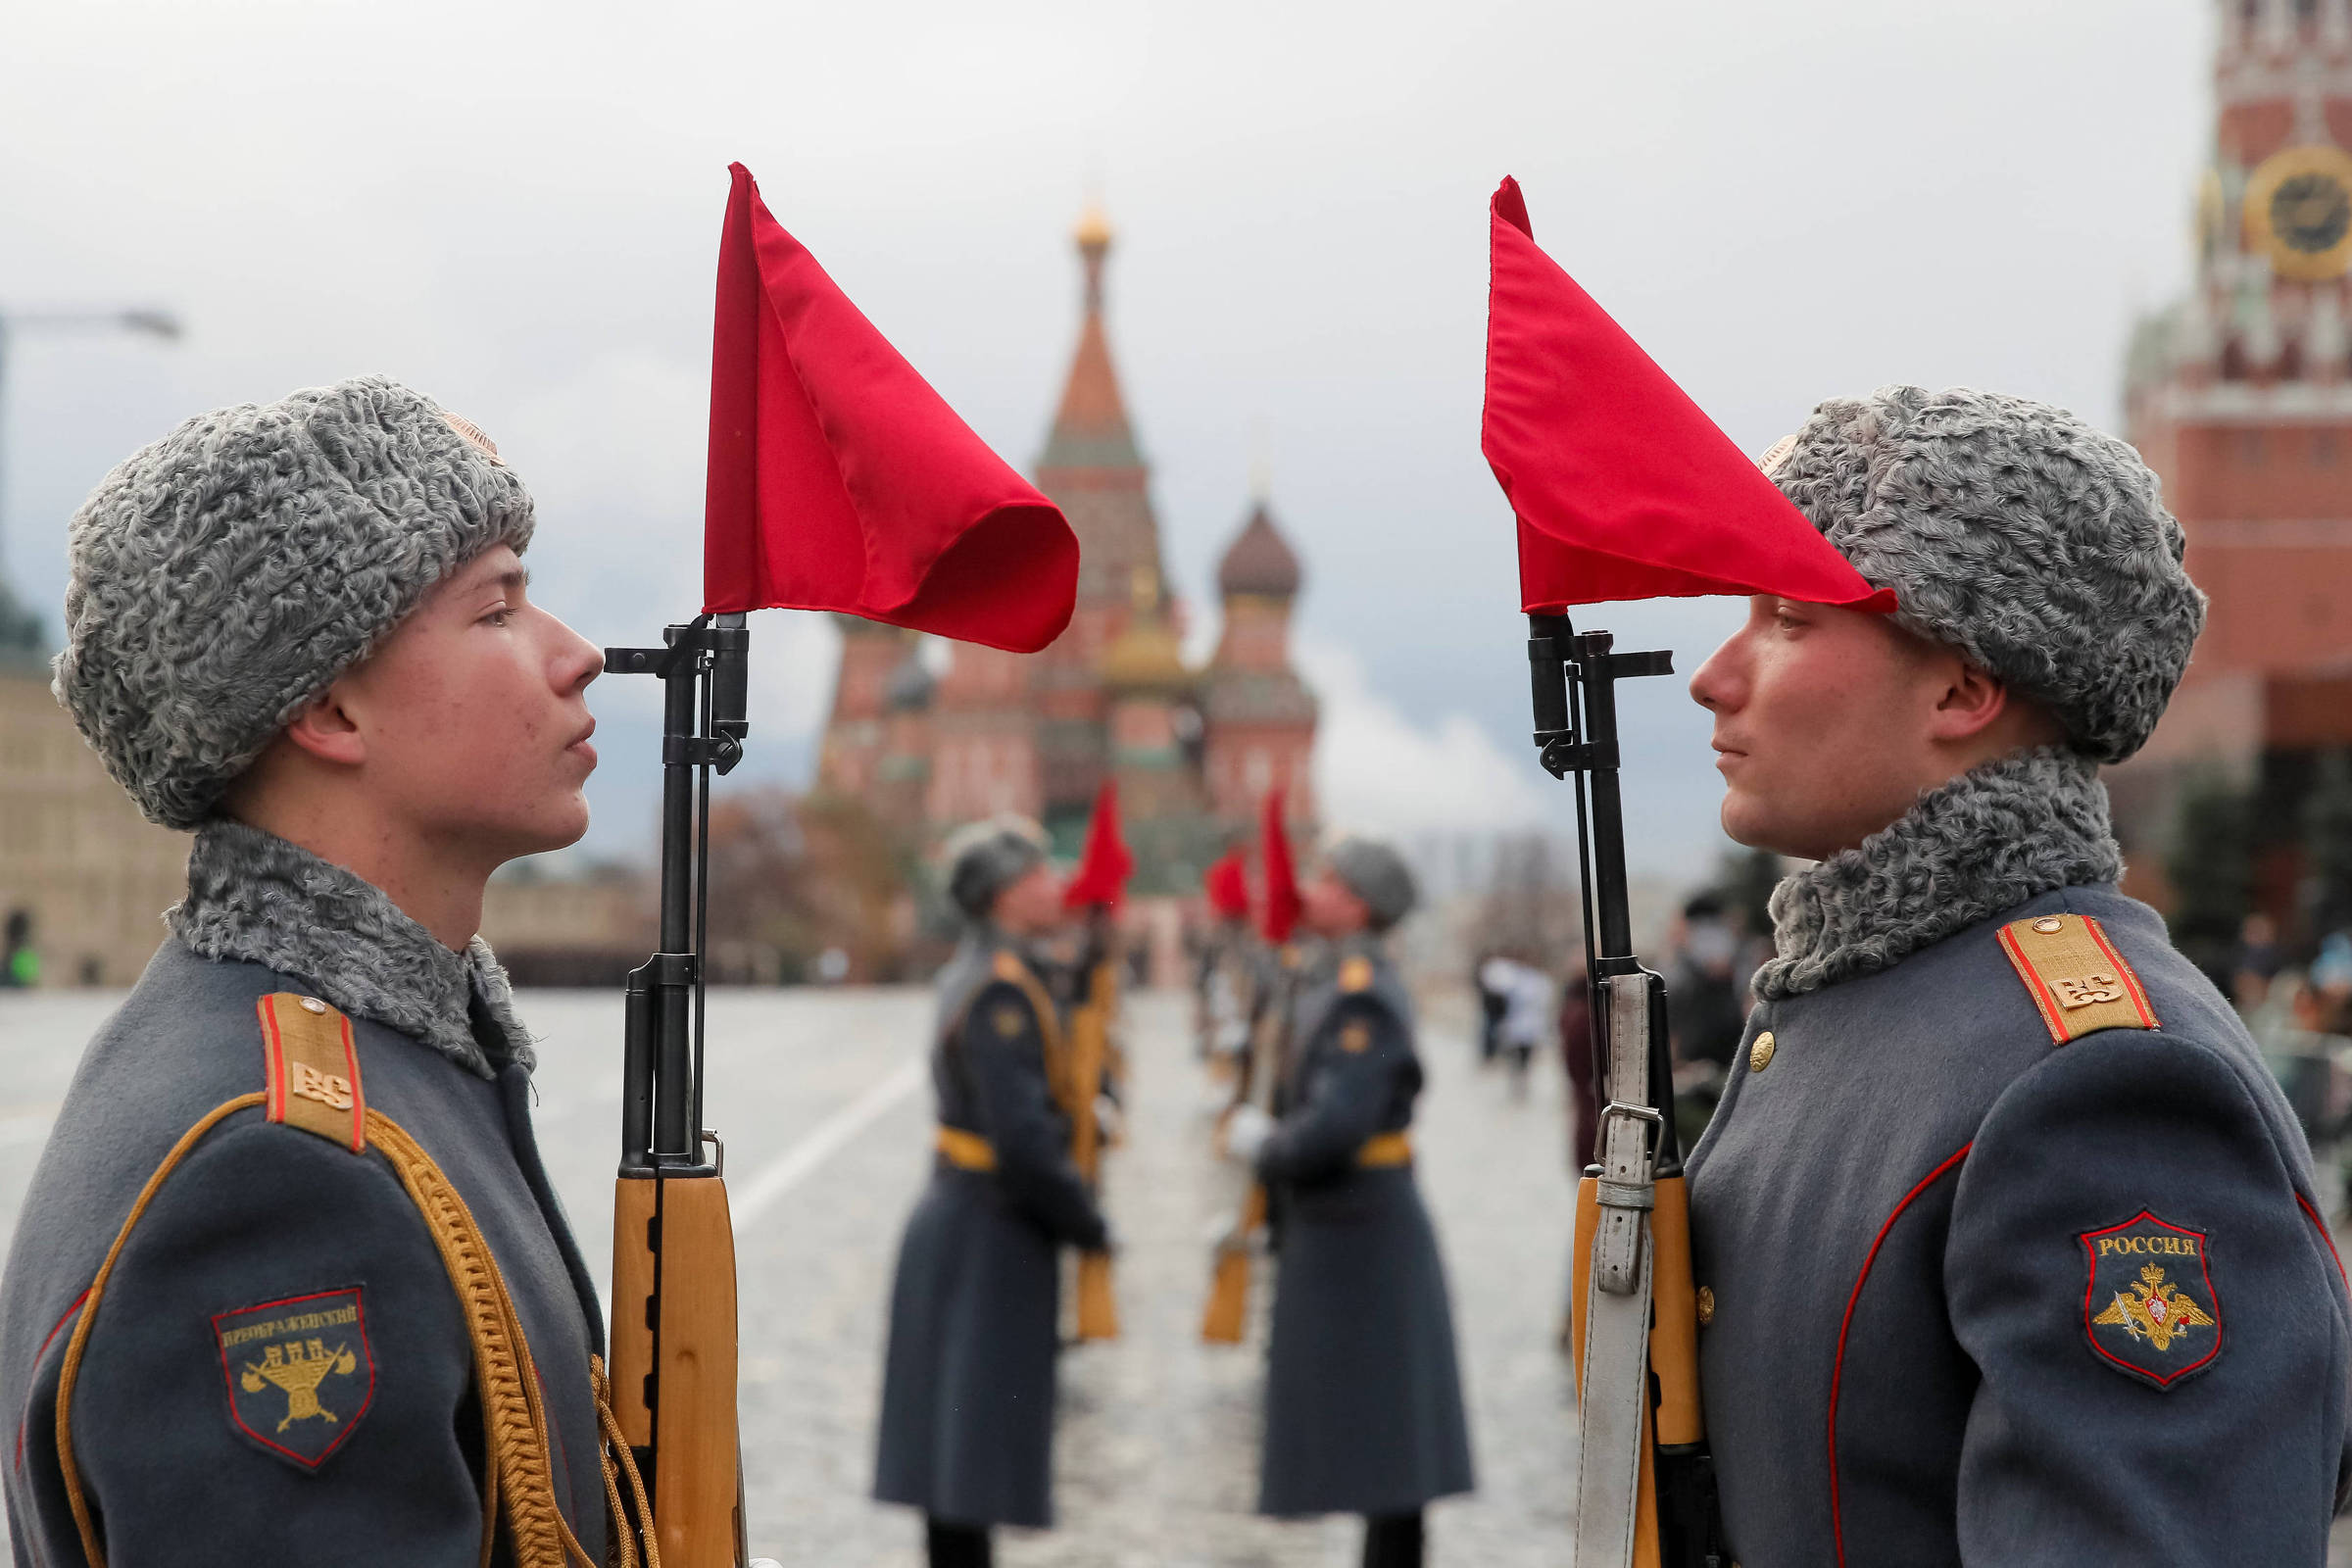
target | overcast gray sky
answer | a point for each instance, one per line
(515, 208)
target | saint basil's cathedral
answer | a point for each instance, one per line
(1193, 752)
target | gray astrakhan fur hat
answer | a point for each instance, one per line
(2015, 532)
(984, 858)
(227, 574)
(1377, 874)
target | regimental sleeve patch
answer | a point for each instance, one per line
(2149, 1309)
(1012, 1022)
(1356, 1036)
(300, 1372)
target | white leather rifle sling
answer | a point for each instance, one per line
(1614, 1381)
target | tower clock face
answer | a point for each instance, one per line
(2299, 213)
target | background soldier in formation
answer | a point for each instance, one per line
(1363, 1400)
(300, 630)
(2010, 1249)
(968, 1392)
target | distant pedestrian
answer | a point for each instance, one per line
(1526, 1019)
(2257, 962)
(1490, 981)
(1579, 1060)
(1364, 1397)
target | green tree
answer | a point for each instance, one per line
(2328, 845)
(2211, 866)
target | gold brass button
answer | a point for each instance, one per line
(1759, 1054)
(1706, 1306)
(2048, 924)
(313, 1005)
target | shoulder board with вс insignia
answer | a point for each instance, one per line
(312, 1068)
(2080, 983)
(1008, 966)
(1355, 974)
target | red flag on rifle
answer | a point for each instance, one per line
(1227, 885)
(1624, 488)
(1101, 875)
(1281, 913)
(840, 480)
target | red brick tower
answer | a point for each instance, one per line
(1260, 717)
(852, 750)
(1092, 470)
(2240, 397)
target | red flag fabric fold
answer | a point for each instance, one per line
(1226, 884)
(1623, 487)
(1102, 874)
(840, 480)
(1280, 917)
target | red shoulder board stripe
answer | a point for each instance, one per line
(312, 1066)
(2079, 982)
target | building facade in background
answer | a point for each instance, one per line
(84, 879)
(2239, 396)
(1193, 749)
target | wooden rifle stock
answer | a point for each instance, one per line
(674, 1340)
(1225, 1319)
(1090, 1051)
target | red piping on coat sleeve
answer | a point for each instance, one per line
(1837, 1372)
(2321, 1226)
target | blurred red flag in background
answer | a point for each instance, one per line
(1226, 882)
(1623, 487)
(1102, 874)
(840, 480)
(1281, 913)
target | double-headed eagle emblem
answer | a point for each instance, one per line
(2154, 1310)
(299, 1368)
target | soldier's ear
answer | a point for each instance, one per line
(1972, 701)
(326, 729)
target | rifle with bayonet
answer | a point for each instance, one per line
(673, 1246)
(1646, 1492)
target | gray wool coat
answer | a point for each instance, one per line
(1978, 1298)
(1363, 1395)
(967, 1382)
(188, 1461)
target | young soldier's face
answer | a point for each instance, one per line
(1032, 904)
(1330, 908)
(474, 718)
(1825, 721)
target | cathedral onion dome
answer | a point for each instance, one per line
(1260, 562)
(910, 687)
(1146, 656)
(1094, 229)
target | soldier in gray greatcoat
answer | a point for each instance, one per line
(967, 1387)
(230, 1334)
(2009, 1249)
(1363, 1399)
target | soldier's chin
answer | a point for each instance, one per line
(559, 824)
(1752, 825)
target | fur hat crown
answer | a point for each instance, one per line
(2018, 533)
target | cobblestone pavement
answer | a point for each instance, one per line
(826, 1124)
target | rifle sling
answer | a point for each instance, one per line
(1614, 1381)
